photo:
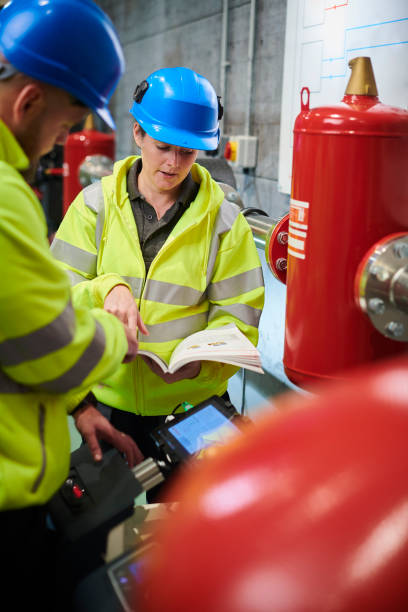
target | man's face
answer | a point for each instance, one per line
(51, 124)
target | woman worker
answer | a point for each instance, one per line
(157, 235)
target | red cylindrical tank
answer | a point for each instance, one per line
(80, 145)
(306, 512)
(349, 189)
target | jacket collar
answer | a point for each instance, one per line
(10, 150)
(209, 195)
(188, 189)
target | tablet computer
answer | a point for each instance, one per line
(210, 423)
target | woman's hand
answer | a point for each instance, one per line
(190, 370)
(121, 303)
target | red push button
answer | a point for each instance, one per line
(77, 491)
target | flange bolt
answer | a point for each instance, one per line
(394, 328)
(376, 306)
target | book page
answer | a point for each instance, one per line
(221, 359)
(225, 344)
(155, 358)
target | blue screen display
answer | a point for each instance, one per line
(203, 428)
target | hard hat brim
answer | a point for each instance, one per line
(104, 114)
(180, 138)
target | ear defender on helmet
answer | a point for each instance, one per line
(220, 108)
(140, 91)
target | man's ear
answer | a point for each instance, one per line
(29, 101)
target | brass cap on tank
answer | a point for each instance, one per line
(89, 122)
(362, 80)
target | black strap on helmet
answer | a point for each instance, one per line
(220, 108)
(140, 91)
(6, 71)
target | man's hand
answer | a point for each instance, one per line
(190, 370)
(121, 303)
(133, 345)
(93, 426)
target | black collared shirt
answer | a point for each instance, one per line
(153, 232)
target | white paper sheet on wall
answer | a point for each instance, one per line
(321, 37)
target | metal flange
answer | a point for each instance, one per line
(271, 235)
(381, 286)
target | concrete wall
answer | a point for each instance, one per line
(165, 33)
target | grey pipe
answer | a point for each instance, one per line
(224, 47)
(261, 226)
(270, 235)
(251, 45)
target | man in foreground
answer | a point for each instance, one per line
(51, 351)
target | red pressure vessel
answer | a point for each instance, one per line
(349, 189)
(306, 512)
(78, 147)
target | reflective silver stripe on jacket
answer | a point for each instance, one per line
(7, 385)
(94, 200)
(135, 283)
(170, 293)
(74, 256)
(75, 278)
(227, 214)
(174, 330)
(243, 312)
(81, 369)
(180, 295)
(236, 285)
(40, 342)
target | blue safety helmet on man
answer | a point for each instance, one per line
(49, 41)
(179, 107)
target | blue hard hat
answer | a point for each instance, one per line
(180, 107)
(71, 44)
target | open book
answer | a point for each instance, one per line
(226, 344)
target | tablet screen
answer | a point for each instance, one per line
(125, 576)
(203, 428)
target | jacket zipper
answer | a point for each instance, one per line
(41, 429)
(136, 387)
(164, 248)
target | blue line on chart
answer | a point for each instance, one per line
(337, 76)
(370, 25)
(402, 42)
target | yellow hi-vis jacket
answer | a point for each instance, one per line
(206, 275)
(51, 352)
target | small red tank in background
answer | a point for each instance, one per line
(88, 155)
